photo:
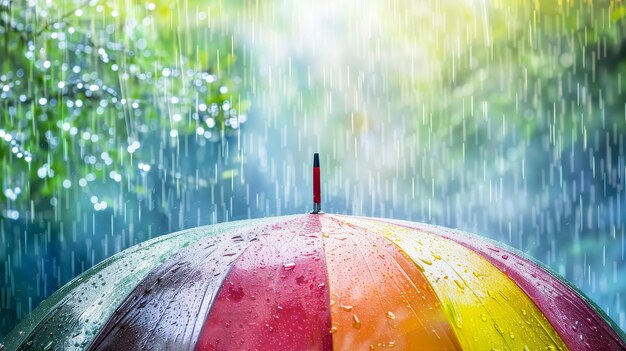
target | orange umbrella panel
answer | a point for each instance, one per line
(318, 282)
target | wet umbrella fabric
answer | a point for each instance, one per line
(317, 282)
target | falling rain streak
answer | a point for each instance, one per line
(123, 121)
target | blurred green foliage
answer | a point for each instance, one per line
(502, 117)
(85, 85)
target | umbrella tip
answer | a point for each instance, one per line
(317, 188)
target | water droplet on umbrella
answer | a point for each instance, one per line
(356, 322)
(346, 308)
(428, 262)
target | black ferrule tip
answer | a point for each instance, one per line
(316, 160)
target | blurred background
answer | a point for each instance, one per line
(124, 120)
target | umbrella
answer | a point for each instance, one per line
(318, 281)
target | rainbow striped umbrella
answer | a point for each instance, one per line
(317, 282)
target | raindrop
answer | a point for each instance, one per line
(459, 284)
(356, 322)
(428, 262)
(346, 308)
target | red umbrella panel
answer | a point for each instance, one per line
(318, 282)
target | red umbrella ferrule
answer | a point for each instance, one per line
(317, 188)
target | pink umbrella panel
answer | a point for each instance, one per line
(318, 282)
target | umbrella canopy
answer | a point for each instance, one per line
(317, 282)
